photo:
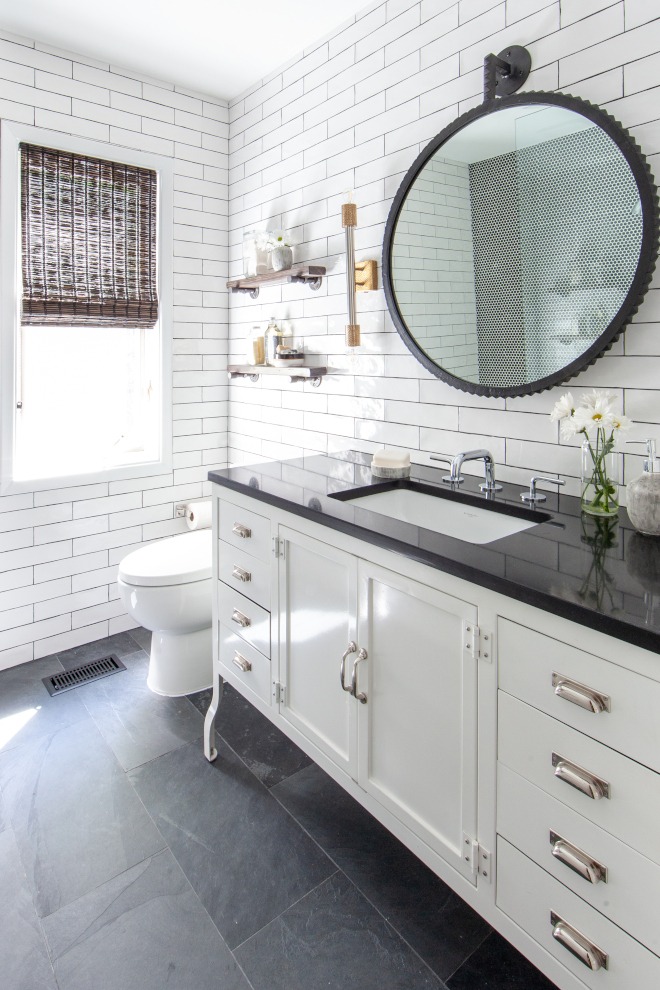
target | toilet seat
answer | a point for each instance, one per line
(180, 559)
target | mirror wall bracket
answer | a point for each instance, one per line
(505, 73)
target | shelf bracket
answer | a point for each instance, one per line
(313, 283)
(252, 291)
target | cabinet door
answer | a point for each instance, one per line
(418, 726)
(318, 605)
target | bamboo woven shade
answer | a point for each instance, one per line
(88, 240)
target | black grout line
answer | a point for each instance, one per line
(293, 904)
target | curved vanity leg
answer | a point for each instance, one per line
(210, 752)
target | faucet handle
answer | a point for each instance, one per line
(532, 496)
(447, 478)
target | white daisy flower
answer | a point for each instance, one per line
(563, 407)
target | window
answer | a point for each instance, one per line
(88, 330)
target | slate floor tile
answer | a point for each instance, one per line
(27, 711)
(435, 921)
(268, 753)
(497, 965)
(334, 939)
(24, 962)
(121, 643)
(144, 929)
(244, 855)
(77, 820)
(142, 637)
(136, 723)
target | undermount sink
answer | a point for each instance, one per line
(465, 517)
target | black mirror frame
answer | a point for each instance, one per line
(645, 267)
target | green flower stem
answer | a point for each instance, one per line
(604, 500)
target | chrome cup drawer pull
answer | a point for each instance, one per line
(577, 860)
(242, 663)
(584, 781)
(580, 694)
(241, 619)
(581, 947)
(240, 574)
(239, 530)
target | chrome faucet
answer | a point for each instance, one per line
(454, 477)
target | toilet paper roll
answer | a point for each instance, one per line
(199, 514)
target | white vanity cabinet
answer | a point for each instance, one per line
(515, 752)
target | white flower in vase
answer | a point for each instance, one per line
(563, 408)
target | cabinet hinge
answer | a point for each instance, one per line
(279, 693)
(478, 643)
(471, 639)
(278, 546)
(478, 857)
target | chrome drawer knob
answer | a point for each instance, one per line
(239, 618)
(239, 530)
(580, 862)
(580, 694)
(584, 781)
(241, 574)
(242, 663)
(581, 947)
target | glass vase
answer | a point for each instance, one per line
(600, 475)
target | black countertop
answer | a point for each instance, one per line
(600, 573)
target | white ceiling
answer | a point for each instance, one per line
(217, 47)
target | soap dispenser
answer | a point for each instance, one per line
(643, 494)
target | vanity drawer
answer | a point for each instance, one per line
(530, 661)
(527, 740)
(244, 529)
(628, 891)
(246, 618)
(245, 665)
(245, 573)
(530, 896)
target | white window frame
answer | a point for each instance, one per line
(11, 135)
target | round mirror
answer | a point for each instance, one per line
(520, 243)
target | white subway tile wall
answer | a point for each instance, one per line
(352, 113)
(60, 549)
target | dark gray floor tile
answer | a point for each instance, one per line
(333, 938)
(268, 753)
(496, 965)
(244, 855)
(77, 820)
(29, 710)
(142, 637)
(138, 724)
(437, 923)
(121, 644)
(144, 929)
(24, 962)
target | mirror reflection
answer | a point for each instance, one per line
(517, 245)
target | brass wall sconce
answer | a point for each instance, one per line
(361, 275)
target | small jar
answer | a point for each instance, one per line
(254, 347)
(274, 338)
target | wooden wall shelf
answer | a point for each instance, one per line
(252, 371)
(311, 275)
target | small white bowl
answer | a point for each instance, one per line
(288, 362)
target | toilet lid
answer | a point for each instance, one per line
(178, 560)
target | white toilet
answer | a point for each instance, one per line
(166, 587)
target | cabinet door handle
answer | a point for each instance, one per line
(351, 649)
(594, 787)
(582, 864)
(580, 694)
(240, 574)
(239, 530)
(242, 663)
(573, 940)
(241, 619)
(362, 698)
